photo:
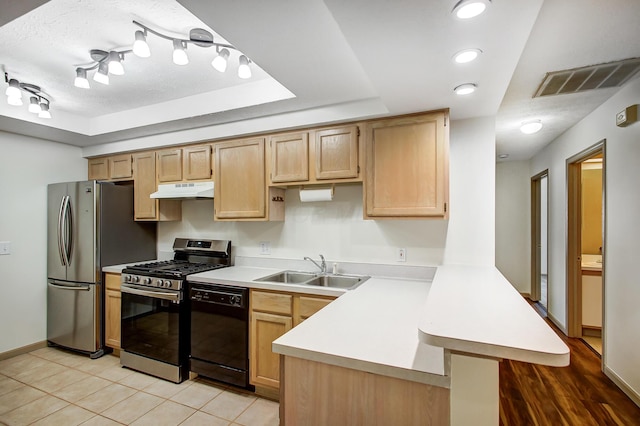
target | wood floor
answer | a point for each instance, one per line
(579, 394)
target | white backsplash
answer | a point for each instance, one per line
(335, 229)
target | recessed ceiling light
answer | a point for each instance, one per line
(466, 55)
(465, 89)
(530, 127)
(467, 9)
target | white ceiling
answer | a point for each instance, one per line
(376, 56)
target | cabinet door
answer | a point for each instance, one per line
(196, 162)
(407, 167)
(144, 184)
(309, 305)
(337, 153)
(98, 169)
(120, 167)
(265, 365)
(240, 179)
(112, 318)
(170, 165)
(289, 157)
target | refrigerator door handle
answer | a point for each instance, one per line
(72, 288)
(67, 234)
(59, 231)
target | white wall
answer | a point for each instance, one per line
(336, 229)
(513, 216)
(27, 165)
(622, 233)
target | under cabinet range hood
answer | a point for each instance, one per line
(182, 191)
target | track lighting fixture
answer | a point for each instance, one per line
(38, 103)
(110, 62)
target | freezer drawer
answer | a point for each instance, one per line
(73, 315)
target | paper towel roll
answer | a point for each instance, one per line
(309, 195)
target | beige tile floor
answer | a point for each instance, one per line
(53, 387)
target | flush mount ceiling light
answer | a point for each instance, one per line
(465, 89)
(531, 127)
(38, 102)
(467, 9)
(466, 55)
(110, 62)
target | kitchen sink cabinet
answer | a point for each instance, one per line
(115, 167)
(407, 167)
(144, 184)
(272, 314)
(112, 310)
(241, 190)
(319, 156)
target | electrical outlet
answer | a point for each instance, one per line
(402, 255)
(5, 247)
(265, 247)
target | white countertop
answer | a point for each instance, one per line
(373, 329)
(476, 310)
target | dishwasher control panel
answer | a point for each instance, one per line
(219, 296)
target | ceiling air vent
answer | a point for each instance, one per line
(601, 76)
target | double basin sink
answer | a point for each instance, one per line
(345, 282)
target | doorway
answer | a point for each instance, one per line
(539, 238)
(585, 245)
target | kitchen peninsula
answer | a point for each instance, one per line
(406, 349)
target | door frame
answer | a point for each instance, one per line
(574, 236)
(536, 236)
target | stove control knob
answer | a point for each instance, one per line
(126, 278)
(160, 283)
(147, 281)
(136, 279)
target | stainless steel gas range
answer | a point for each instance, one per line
(155, 315)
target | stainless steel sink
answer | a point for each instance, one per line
(346, 282)
(288, 277)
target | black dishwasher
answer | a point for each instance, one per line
(220, 333)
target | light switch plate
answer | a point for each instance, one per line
(402, 255)
(5, 247)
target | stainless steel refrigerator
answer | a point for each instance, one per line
(90, 225)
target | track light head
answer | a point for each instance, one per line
(81, 79)
(44, 110)
(179, 53)
(243, 70)
(102, 75)
(115, 64)
(140, 46)
(14, 100)
(220, 61)
(13, 91)
(34, 105)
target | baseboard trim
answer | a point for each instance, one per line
(23, 350)
(622, 385)
(557, 323)
(526, 295)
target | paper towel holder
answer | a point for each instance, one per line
(316, 194)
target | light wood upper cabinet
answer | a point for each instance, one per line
(144, 184)
(241, 191)
(169, 162)
(115, 167)
(337, 153)
(196, 162)
(319, 156)
(289, 157)
(407, 167)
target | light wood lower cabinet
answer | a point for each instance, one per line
(272, 315)
(112, 310)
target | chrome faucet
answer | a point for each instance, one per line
(323, 266)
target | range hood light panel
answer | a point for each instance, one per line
(182, 191)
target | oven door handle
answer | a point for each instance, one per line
(174, 297)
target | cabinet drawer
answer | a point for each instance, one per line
(271, 302)
(311, 305)
(112, 281)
